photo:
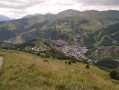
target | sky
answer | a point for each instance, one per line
(19, 8)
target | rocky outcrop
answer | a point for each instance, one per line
(102, 52)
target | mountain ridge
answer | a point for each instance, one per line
(57, 26)
(4, 18)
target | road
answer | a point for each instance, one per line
(1, 61)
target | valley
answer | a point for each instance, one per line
(71, 50)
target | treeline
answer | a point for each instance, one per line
(114, 74)
(111, 66)
(52, 54)
(108, 63)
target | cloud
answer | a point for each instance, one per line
(20, 8)
(22, 4)
(101, 2)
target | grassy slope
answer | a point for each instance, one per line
(23, 71)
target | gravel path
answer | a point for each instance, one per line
(1, 61)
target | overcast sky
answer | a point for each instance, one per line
(19, 8)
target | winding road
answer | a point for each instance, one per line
(1, 61)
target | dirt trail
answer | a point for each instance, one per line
(1, 61)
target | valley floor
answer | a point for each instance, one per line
(23, 71)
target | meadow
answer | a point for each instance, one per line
(24, 71)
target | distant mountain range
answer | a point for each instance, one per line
(64, 25)
(4, 18)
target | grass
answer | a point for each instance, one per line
(23, 71)
(99, 42)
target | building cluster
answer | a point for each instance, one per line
(75, 49)
(78, 53)
(38, 48)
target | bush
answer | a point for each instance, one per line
(73, 61)
(42, 56)
(65, 62)
(47, 56)
(108, 63)
(84, 61)
(87, 66)
(69, 62)
(45, 60)
(114, 74)
(38, 53)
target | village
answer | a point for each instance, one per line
(73, 50)
(37, 48)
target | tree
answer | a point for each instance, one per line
(69, 62)
(65, 62)
(114, 74)
(87, 66)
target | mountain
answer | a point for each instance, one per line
(31, 15)
(49, 50)
(64, 25)
(105, 43)
(69, 12)
(103, 52)
(4, 18)
(108, 36)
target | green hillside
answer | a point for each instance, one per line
(105, 37)
(104, 43)
(56, 26)
(23, 71)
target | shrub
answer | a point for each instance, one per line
(87, 66)
(65, 62)
(108, 63)
(73, 61)
(47, 56)
(69, 62)
(42, 56)
(84, 61)
(45, 60)
(38, 53)
(114, 74)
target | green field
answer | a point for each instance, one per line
(23, 71)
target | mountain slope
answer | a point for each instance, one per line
(31, 15)
(105, 37)
(4, 18)
(60, 26)
(102, 52)
(105, 43)
(25, 71)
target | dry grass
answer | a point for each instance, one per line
(22, 71)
